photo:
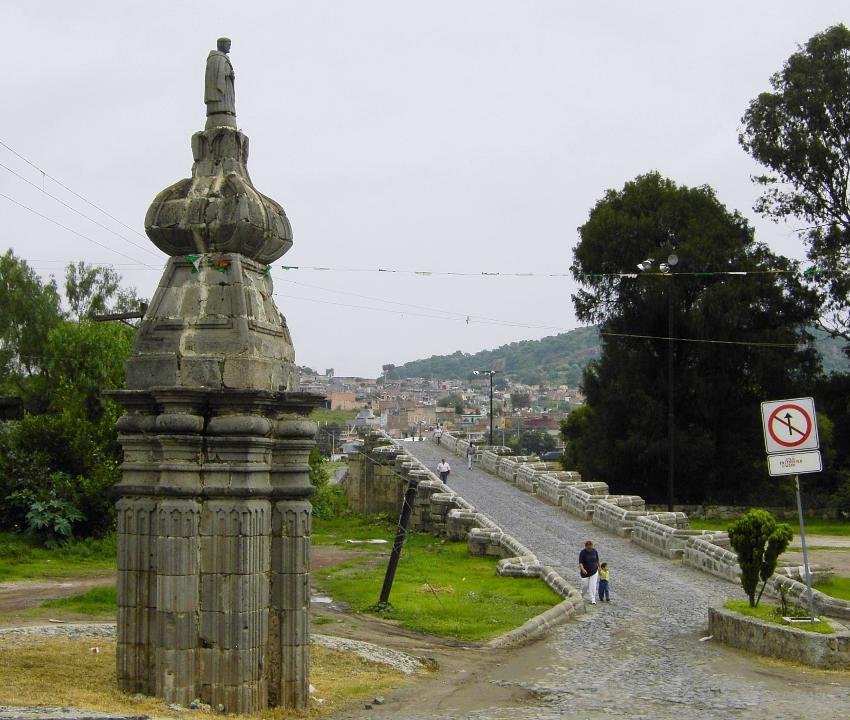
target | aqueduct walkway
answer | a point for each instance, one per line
(639, 656)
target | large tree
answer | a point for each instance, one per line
(96, 289)
(29, 309)
(800, 131)
(756, 323)
(63, 454)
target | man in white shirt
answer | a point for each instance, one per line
(444, 469)
(438, 433)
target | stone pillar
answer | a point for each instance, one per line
(289, 620)
(214, 511)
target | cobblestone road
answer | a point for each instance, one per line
(639, 656)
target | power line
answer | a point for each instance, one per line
(699, 340)
(73, 192)
(81, 214)
(466, 317)
(504, 323)
(71, 230)
(809, 272)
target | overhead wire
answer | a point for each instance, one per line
(71, 230)
(78, 212)
(669, 338)
(505, 323)
(70, 190)
(466, 317)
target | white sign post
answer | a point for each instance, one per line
(792, 444)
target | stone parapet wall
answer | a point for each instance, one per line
(581, 502)
(797, 572)
(372, 486)
(619, 519)
(665, 533)
(552, 489)
(704, 553)
(796, 592)
(830, 652)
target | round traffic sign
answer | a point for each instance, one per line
(790, 425)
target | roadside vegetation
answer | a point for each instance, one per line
(773, 614)
(837, 587)
(438, 589)
(324, 416)
(22, 558)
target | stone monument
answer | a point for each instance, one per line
(213, 515)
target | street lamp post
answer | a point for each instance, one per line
(491, 373)
(666, 268)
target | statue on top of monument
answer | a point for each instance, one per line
(219, 93)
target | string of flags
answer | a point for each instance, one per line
(810, 272)
(221, 264)
(217, 262)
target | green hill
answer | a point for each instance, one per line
(554, 360)
(831, 352)
(557, 359)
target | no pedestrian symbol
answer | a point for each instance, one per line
(789, 425)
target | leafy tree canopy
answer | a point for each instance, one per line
(30, 308)
(58, 463)
(622, 437)
(801, 132)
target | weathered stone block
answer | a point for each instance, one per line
(230, 593)
(177, 593)
(152, 371)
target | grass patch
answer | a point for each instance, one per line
(333, 417)
(62, 672)
(97, 601)
(813, 526)
(335, 531)
(772, 614)
(21, 559)
(837, 587)
(439, 589)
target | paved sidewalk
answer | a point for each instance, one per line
(639, 656)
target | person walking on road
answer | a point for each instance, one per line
(588, 565)
(444, 469)
(604, 595)
(438, 433)
(470, 453)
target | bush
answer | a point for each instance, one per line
(329, 501)
(758, 541)
(57, 459)
(50, 521)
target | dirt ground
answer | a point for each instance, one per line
(25, 594)
(461, 672)
(825, 550)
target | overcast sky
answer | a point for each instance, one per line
(446, 136)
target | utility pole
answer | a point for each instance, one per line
(671, 411)
(666, 268)
(398, 543)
